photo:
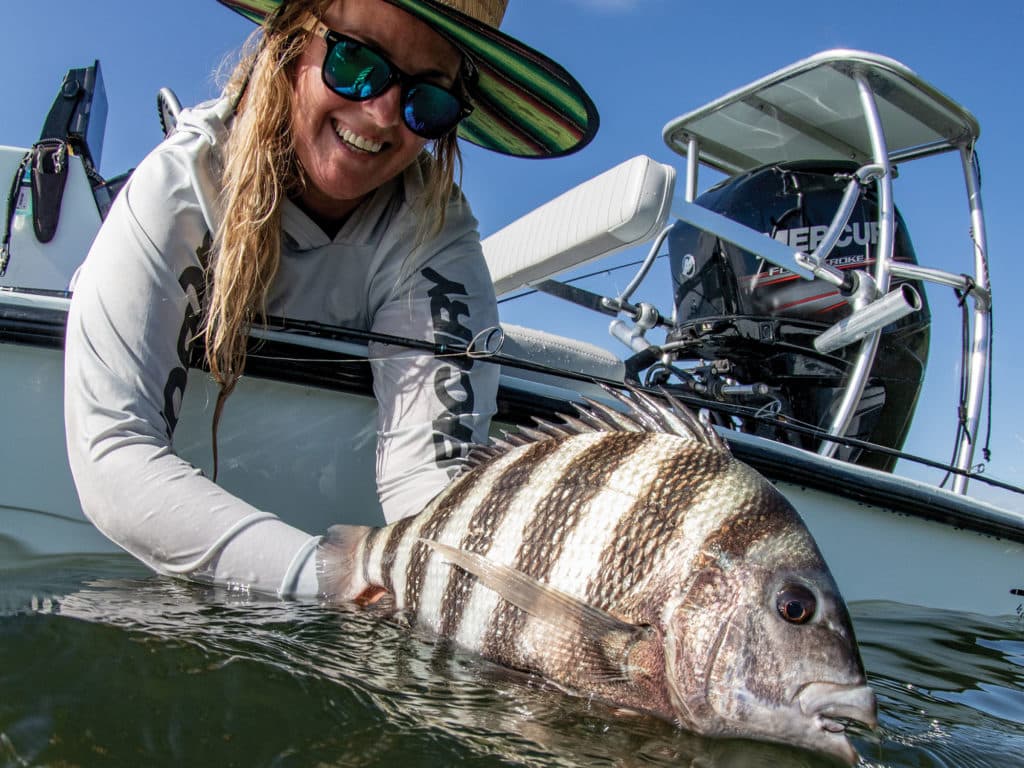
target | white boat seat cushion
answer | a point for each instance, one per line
(620, 208)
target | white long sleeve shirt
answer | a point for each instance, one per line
(136, 307)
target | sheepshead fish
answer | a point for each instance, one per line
(626, 555)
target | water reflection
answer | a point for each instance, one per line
(336, 687)
(950, 685)
(136, 669)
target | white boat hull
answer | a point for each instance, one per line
(307, 454)
(882, 554)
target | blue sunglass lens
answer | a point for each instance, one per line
(355, 71)
(430, 111)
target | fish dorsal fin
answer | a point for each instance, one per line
(482, 454)
(639, 412)
(576, 624)
(671, 417)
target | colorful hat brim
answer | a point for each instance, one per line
(524, 103)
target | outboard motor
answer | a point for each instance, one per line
(741, 321)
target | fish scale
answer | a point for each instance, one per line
(402, 559)
(505, 540)
(469, 519)
(371, 554)
(393, 551)
(626, 555)
(708, 514)
(561, 542)
(457, 505)
(483, 522)
(601, 563)
(652, 513)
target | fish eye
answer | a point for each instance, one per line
(796, 603)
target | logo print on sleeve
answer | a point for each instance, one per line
(452, 383)
(193, 284)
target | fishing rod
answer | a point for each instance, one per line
(491, 353)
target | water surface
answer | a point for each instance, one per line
(103, 663)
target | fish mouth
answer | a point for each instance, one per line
(833, 707)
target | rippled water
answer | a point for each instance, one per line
(103, 664)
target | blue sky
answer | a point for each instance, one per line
(644, 62)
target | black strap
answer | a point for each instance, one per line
(12, 203)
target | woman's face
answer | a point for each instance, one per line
(349, 148)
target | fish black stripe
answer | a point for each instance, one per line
(387, 562)
(485, 523)
(640, 539)
(643, 533)
(763, 516)
(432, 527)
(765, 513)
(554, 519)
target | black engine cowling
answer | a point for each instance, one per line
(758, 322)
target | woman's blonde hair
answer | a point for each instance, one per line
(260, 170)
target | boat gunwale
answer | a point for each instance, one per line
(520, 401)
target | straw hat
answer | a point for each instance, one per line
(525, 104)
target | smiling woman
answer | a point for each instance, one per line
(318, 187)
(350, 146)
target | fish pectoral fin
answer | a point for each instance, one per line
(577, 621)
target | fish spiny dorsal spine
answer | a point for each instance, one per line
(640, 412)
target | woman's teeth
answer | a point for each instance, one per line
(366, 145)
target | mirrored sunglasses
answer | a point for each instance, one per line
(357, 72)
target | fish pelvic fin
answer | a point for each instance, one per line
(339, 567)
(600, 641)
